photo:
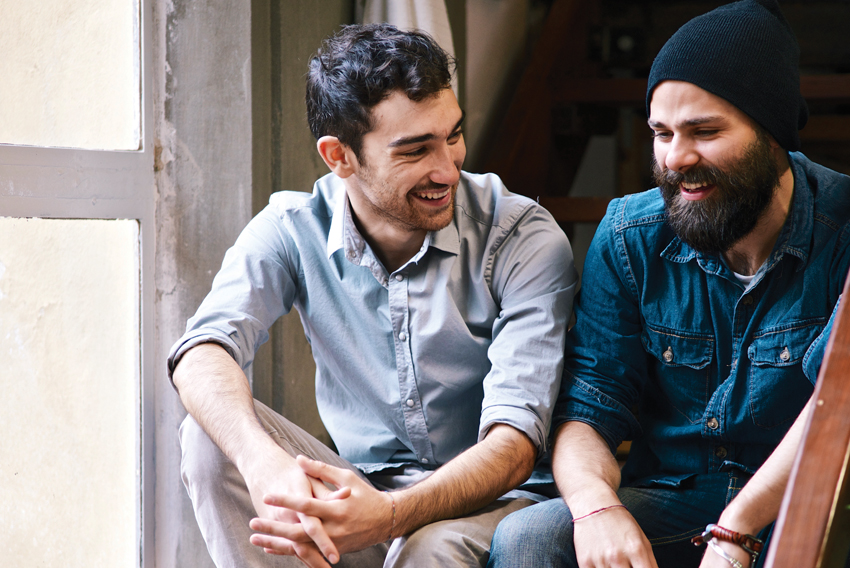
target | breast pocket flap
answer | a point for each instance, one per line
(678, 349)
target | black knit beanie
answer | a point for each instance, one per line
(746, 53)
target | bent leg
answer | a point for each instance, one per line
(453, 542)
(669, 516)
(223, 505)
(536, 537)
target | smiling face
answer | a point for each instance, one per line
(410, 164)
(716, 169)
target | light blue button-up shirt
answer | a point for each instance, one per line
(414, 365)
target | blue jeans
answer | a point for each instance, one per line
(541, 536)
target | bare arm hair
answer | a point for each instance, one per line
(500, 462)
(216, 393)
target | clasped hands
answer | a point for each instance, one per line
(317, 524)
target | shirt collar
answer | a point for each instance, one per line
(794, 238)
(344, 235)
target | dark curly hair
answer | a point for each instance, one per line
(361, 65)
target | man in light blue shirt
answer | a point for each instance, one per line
(435, 303)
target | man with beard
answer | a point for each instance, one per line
(436, 304)
(702, 318)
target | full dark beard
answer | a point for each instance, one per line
(743, 192)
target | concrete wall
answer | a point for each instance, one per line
(230, 129)
(202, 107)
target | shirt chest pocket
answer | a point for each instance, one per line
(777, 387)
(682, 368)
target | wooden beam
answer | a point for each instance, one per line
(632, 92)
(807, 511)
(826, 128)
(576, 209)
(524, 133)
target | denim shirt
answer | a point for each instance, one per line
(671, 350)
(417, 364)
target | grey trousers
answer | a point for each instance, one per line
(223, 508)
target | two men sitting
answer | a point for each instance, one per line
(436, 304)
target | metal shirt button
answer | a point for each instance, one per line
(720, 452)
(409, 402)
(399, 277)
(713, 423)
(424, 460)
(402, 336)
(785, 355)
(747, 300)
(668, 355)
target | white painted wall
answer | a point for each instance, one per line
(70, 74)
(69, 374)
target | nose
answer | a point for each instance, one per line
(680, 155)
(447, 163)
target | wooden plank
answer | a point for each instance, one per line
(825, 87)
(576, 209)
(826, 128)
(621, 92)
(807, 509)
(632, 92)
(524, 131)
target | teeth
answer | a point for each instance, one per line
(433, 196)
(692, 186)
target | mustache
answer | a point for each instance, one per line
(702, 175)
(432, 186)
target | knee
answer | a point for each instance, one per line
(541, 535)
(200, 456)
(438, 544)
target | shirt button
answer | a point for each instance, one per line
(747, 300)
(409, 402)
(785, 355)
(424, 460)
(713, 423)
(399, 277)
(720, 452)
(402, 336)
(668, 355)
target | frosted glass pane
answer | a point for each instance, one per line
(70, 74)
(69, 377)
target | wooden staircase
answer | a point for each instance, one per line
(560, 94)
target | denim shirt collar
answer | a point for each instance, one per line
(343, 234)
(794, 239)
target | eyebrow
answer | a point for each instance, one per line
(424, 137)
(698, 121)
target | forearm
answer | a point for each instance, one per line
(216, 393)
(758, 503)
(481, 474)
(586, 471)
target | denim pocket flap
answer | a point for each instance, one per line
(677, 349)
(782, 347)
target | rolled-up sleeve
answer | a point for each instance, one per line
(256, 285)
(533, 278)
(604, 362)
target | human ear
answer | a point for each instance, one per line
(339, 157)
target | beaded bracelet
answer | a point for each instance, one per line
(748, 542)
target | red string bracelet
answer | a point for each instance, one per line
(598, 511)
